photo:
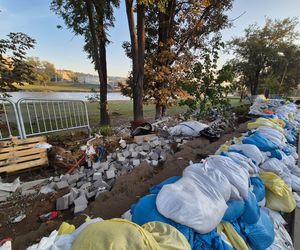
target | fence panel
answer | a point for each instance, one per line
(9, 120)
(43, 116)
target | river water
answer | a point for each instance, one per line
(83, 96)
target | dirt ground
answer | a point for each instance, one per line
(126, 191)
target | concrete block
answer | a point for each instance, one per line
(139, 148)
(136, 162)
(79, 208)
(61, 185)
(96, 165)
(149, 137)
(52, 185)
(86, 186)
(157, 143)
(134, 154)
(100, 192)
(65, 177)
(154, 156)
(126, 153)
(62, 203)
(74, 192)
(109, 174)
(121, 159)
(97, 176)
(157, 150)
(31, 184)
(139, 139)
(81, 200)
(152, 144)
(73, 178)
(81, 175)
(146, 147)
(100, 184)
(143, 154)
(104, 165)
(154, 163)
(110, 183)
(91, 194)
(56, 179)
(79, 184)
(178, 140)
(90, 173)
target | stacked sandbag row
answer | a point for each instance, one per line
(234, 199)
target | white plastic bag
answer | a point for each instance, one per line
(213, 177)
(244, 162)
(45, 243)
(189, 128)
(236, 175)
(194, 204)
(251, 151)
(295, 183)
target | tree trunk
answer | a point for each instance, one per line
(157, 111)
(138, 104)
(99, 57)
(137, 67)
(255, 83)
(105, 120)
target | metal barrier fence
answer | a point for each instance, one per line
(31, 116)
(9, 120)
(39, 116)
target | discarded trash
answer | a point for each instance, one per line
(18, 219)
(10, 187)
(48, 216)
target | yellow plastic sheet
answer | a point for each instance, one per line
(278, 195)
(285, 203)
(235, 239)
(119, 234)
(66, 228)
(273, 123)
(273, 183)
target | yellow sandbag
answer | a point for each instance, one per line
(285, 203)
(166, 236)
(273, 183)
(66, 228)
(224, 147)
(119, 234)
(273, 123)
(235, 239)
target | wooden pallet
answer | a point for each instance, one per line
(17, 154)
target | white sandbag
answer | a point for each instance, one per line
(234, 173)
(273, 165)
(235, 194)
(45, 243)
(282, 238)
(189, 128)
(244, 162)
(251, 151)
(297, 199)
(273, 135)
(295, 183)
(196, 205)
(213, 177)
(278, 167)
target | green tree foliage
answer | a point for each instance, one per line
(13, 65)
(267, 57)
(91, 19)
(208, 86)
(43, 71)
(175, 32)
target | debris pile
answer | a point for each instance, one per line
(231, 200)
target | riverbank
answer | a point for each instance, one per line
(60, 87)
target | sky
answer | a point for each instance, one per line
(62, 48)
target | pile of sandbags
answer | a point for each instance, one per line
(230, 200)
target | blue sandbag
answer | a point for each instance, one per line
(287, 151)
(260, 141)
(261, 235)
(210, 240)
(258, 188)
(234, 211)
(156, 188)
(252, 212)
(145, 211)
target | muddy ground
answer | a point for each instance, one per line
(126, 191)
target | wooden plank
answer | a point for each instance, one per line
(18, 142)
(17, 148)
(26, 152)
(22, 159)
(25, 165)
